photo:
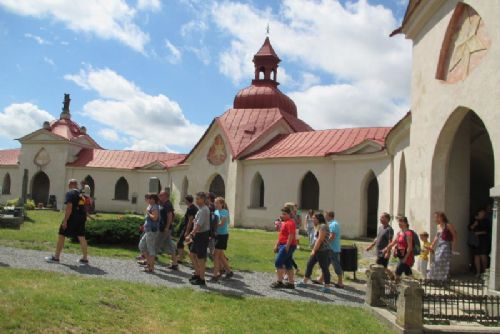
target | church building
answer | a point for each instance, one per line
(259, 154)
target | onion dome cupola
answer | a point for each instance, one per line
(264, 92)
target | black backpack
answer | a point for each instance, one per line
(214, 221)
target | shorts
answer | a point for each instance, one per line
(284, 258)
(75, 228)
(221, 241)
(200, 244)
(147, 244)
(403, 268)
(335, 262)
(381, 260)
(164, 243)
(483, 247)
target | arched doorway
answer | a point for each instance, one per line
(402, 187)
(462, 175)
(40, 188)
(90, 182)
(217, 186)
(371, 193)
(309, 192)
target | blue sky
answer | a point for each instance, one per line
(152, 74)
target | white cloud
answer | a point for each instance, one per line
(19, 119)
(202, 53)
(109, 134)
(149, 122)
(151, 5)
(174, 53)
(49, 61)
(348, 44)
(110, 19)
(37, 39)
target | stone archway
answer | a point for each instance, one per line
(40, 188)
(462, 175)
(217, 186)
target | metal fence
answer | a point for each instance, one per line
(459, 300)
(390, 295)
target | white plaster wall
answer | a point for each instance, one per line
(16, 179)
(105, 181)
(434, 101)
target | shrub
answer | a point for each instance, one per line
(12, 202)
(29, 205)
(123, 230)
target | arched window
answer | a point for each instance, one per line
(6, 184)
(371, 205)
(154, 185)
(184, 189)
(90, 182)
(402, 187)
(217, 186)
(273, 77)
(309, 192)
(257, 194)
(121, 189)
(262, 73)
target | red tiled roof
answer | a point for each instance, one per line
(9, 157)
(319, 143)
(70, 130)
(264, 94)
(412, 5)
(266, 50)
(243, 126)
(97, 158)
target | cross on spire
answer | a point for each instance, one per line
(267, 29)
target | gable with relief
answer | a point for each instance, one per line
(42, 158)
(465, 44)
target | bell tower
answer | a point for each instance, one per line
(266, 64)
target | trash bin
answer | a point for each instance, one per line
(349, 259)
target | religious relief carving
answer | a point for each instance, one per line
(217, 152)
(42, 158)
(465, 44)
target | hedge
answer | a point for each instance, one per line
(124, 230)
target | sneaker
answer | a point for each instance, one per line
(174, 267)
(301, 285)
(277, 285)
(142, 263)
(51, 259)
(199, 281)
(326, 290)
(140, 257)
(83, 262)
(229, 275)
(289, 286)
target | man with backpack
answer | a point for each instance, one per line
(73, 224)
(214, 221)
(164, 241)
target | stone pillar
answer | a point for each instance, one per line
(409, 305)
(375, 285)
(494, 283)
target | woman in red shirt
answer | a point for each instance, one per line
(285, 246)
(404, 249)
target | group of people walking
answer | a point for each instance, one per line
(204, 230)
(406, 245)
(325, 249)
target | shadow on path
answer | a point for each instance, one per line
(86, 269)
(4, 265)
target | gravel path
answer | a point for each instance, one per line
(243, 283)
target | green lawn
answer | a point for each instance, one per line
(250, 250)
(41, 302)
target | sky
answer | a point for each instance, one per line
(151, 75)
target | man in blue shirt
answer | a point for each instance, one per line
(335, 246)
